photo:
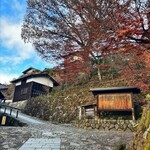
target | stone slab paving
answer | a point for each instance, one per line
(60, 137)
(41, 144)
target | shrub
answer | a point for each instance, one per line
(148, 96)
(147, 122)
(120, 147)
(147, 146)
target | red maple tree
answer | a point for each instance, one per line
(82, 34)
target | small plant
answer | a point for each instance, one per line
(148, 96)
(120, 147)
(147, 146)
(147, 122)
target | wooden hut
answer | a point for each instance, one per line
(89, 110)
(115, 99)
(3, 89)
(32, 83)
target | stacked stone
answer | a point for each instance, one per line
(104, 124)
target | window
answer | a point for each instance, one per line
(24, 91)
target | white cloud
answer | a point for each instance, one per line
(15, 55)
(6, 78)
(10, 36)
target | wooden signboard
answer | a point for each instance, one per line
(3, 120)
(89, 109)
(89, 112)
(115, 102)
(115, 98)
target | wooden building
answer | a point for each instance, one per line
(3, 88)
(32, 83)
(1, 96)
(115, 99)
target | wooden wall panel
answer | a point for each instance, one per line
(115, 102)
(22, 92)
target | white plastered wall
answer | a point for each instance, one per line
(18, 83)
(41, 80)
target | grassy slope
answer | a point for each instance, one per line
(62, 105)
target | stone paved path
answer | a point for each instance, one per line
(64, 137)
(41, 144)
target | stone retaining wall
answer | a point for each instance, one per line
(104, 124)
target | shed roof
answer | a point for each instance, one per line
(89, 104)
(3, 87)
(96, 91)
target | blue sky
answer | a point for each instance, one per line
(15, 55)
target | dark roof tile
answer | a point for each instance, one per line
(96, 91)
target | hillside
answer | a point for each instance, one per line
(61, 105)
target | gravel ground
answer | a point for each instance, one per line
(12, 138)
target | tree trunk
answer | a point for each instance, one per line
(99, 74)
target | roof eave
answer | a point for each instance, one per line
(134, 90)
(34, 75)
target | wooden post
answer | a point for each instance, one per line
(17, 114)
(133, 114)
(98, 111)
(80, 112)
(10, 111)
(95, 113)
(4, 110)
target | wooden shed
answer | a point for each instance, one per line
(89, 110)
(115, 99)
